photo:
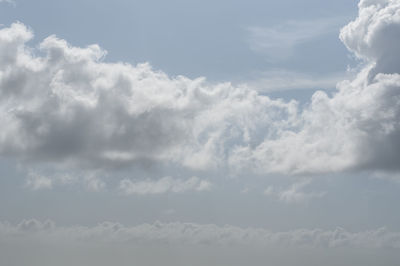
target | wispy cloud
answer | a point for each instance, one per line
(278, 42)
(191, 233)
(90, 180)
(296, 193)
(36, 181)
(284, 80)
(164, 185)
(12, 2)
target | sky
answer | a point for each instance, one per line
(199, 133)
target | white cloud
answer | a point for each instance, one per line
(69, 108)
(294, 194)
(245, 190)
(269, 191)
(8, 1)
(36, 181)
(189, 233)
(390, 176)
(282, 80)
(94, 183)
(91, 180)
(164, 185)
(279, 41)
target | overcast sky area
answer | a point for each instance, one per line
(218, 133)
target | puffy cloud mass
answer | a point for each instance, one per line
(61, 104)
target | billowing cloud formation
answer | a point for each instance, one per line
(68, 106)
(190, 233)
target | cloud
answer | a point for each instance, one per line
(91, 180)
(294, 194)
(199, 234)
(358, 127)
(163, 185)
(282, 80)
(94, 183)
(279, 42)
(36, 181)
(373, 36)
(69, 108)
(388, 176)
(12, 2)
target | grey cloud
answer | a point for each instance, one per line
(12, 2)
(40, 180)
(281, 80)
(295, 193)
(163, 185)
(36, 181)
(71, 108)
(200, 234)
(358, 127)
(374, 34)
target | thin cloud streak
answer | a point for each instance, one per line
(164, 185)
(294, 194)
(284, 80)
(279, 42)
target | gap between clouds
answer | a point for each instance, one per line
(70, 109)
(279, 42)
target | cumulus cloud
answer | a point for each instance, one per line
(69, 107)
(190, 233)
(374, 34)
(163, 185)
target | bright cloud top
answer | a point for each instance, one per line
(68, 107)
